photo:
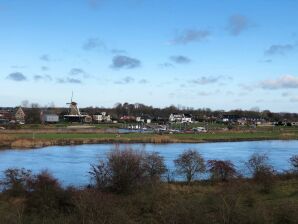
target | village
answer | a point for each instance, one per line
(128, 120)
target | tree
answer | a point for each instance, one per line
(125, 170)
(261, 171)
(221, 169)
(258, 165)
(101, 175)
(154, 166)
(15, 181)
(190, 163)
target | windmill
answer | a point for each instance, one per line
(74, 112)
(73, 107)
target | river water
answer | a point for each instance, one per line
(70, 164)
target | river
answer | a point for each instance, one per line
(70, 164)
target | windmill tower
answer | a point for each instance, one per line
(74, 114)
(73, 107)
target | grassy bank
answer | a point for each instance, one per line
(42, 138)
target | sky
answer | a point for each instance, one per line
(218, 54)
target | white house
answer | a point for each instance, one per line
(49, 117)
(180, 118)
(102, 117)
(144, 119)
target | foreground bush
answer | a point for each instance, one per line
(221, 170)
(127, 170)
(15, 181)
(238, 201)
(47, 196)
(262, 172)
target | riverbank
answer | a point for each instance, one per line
(240, 201)
(36, 139)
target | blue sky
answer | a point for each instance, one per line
(218, 54)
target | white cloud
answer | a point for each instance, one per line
(283, 82)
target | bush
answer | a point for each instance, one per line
(101, 175)
(47, 196)
(154, 166)
(190, 163)
(261, 171)
(15, 181)
(222, 170)
(127, 170)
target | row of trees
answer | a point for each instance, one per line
(127, 170)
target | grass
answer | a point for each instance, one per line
(33, 138)
(228, 135)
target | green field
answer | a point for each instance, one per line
(228, 135)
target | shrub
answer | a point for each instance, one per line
(126, 170)
(47, 196)
(190, 163)
(261, 171)
(101, 175)
(15, 181)
(222, 170)
(154, 166)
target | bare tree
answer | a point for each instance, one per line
(190, 163)
(25, 103)
(101, 175)
(258, 165)
(154, 166)
(262, 172)
(221, 169)
(15, 181)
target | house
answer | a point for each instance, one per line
(180, 118)
(20, 116)
(127, 118)
(88, 119)
(5, 116)
(187, 118)
(144, 119)
(48, 117)
(101, 117)
(230, 118)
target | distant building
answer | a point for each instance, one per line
(74, 113)
(5, 116)
(88, 119)
(180, 118)
(230, 118)
(102, 117)
(127, 118)
(20, 115)
(48, 117)
(144, 119)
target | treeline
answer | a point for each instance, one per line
(132, 186)
(138, 109)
